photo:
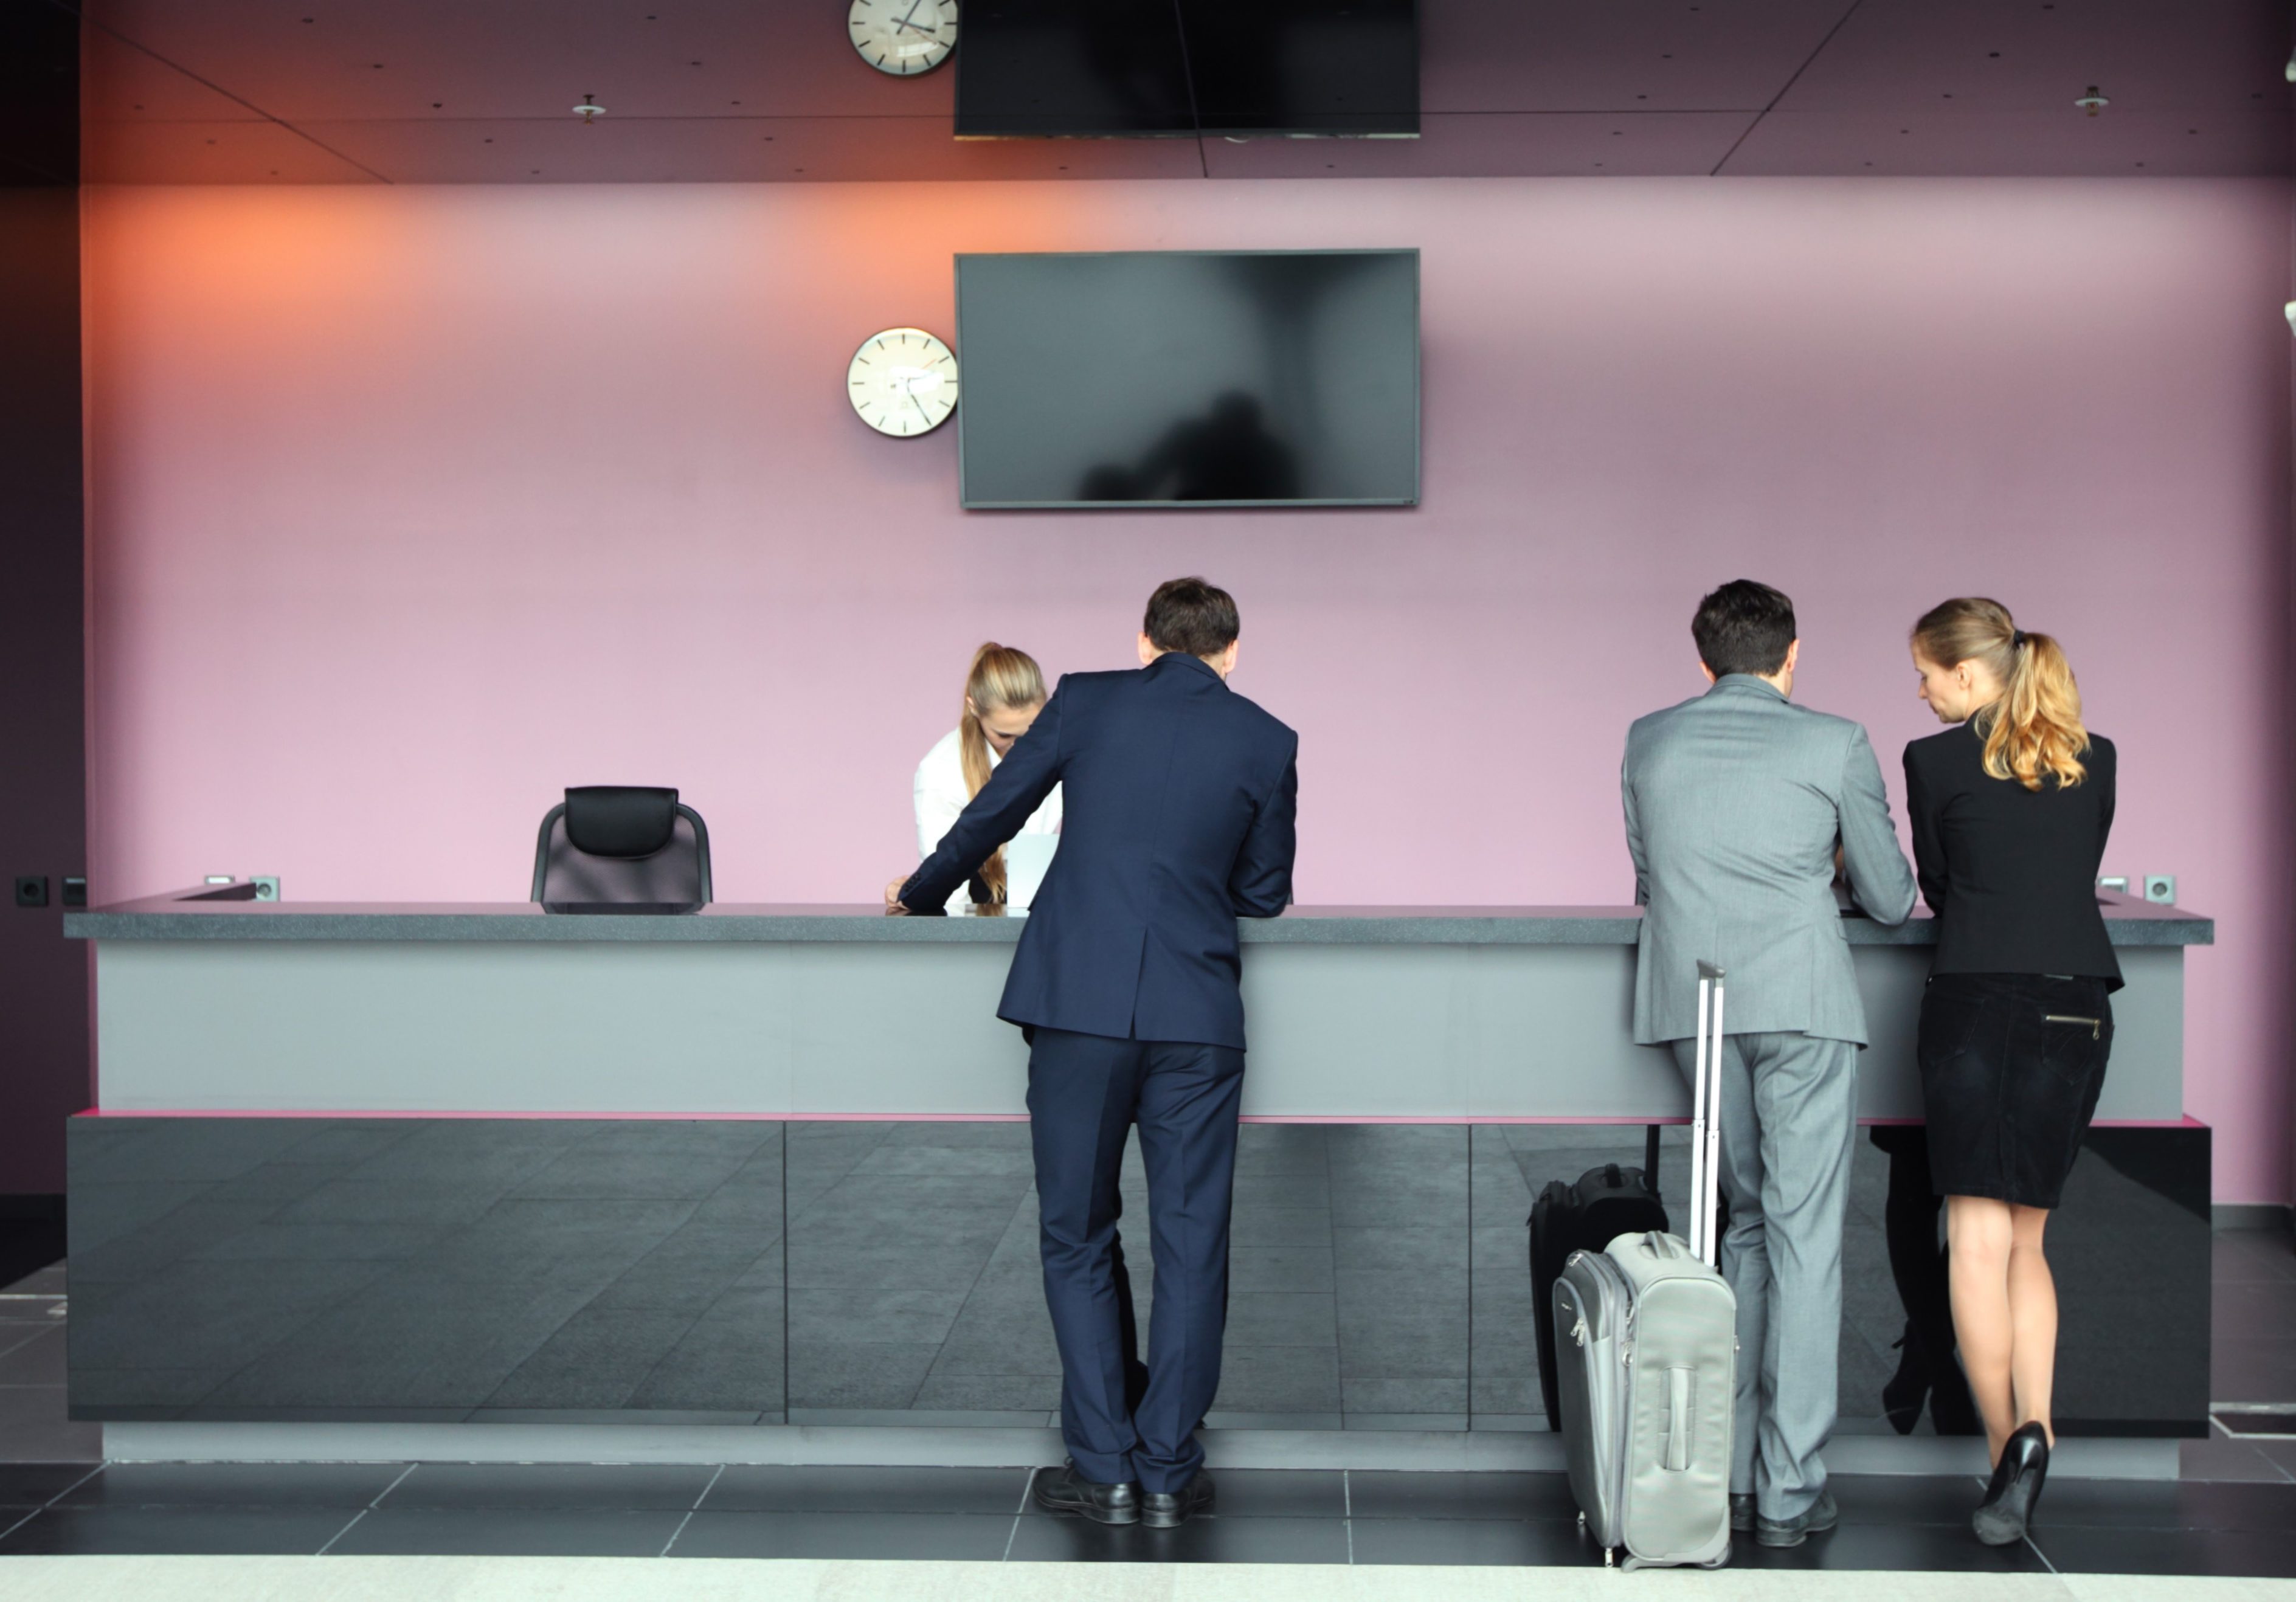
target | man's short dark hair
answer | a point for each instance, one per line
(1744, 627)
(1189, 615)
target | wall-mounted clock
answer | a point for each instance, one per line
(903, 37)
(902, 381)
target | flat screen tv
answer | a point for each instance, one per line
(1165, 378)
(1148, 68)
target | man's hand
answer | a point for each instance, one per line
(893, 897)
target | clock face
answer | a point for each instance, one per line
(903, 382)
(903, 37)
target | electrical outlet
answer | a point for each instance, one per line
(2116, 882)
(75, 890)
(31, 889)
(266, 886)
(2160, 888)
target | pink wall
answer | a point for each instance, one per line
(413, 506)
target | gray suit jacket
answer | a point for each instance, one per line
(1735, 803)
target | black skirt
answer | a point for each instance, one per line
(2011, 1067)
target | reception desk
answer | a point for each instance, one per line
(762, 1169)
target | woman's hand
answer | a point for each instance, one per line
(893, 897)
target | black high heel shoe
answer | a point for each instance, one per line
(2016, 1486)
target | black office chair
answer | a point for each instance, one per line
(622, 848)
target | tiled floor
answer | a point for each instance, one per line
(1266, 1515)
(2233, 1513)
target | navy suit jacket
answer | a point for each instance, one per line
(1178, 797)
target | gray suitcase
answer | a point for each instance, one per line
(1647, 1335)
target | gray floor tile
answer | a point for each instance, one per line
(1464, 1542)
(2244, 1255)
(1948, 1549)
(913, 1536)
(2228, 1460)
(38, 1361)
(2252, 1370)
(508, 1532)
(775, 1489)
(1202, 1539)
(35, 1428)
(1380, 1494)
(634, 1487)
(34, 1485)
(350, 1486)
(63, 1532)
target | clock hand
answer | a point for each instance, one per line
(904, 21)
(920, 406)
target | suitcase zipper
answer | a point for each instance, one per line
(2095, 1025)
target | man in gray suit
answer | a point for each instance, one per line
(1741, 809)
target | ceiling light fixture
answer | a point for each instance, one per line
(2289, 311)
(2290, 68)
(589, 110)
(2091, 102)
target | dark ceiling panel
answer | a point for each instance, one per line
(208, 152)
(2013, 144)
(736, 150)
(1510, 87)
(1499, 145)
(1617, 55)
(413, 59)
(121, 82)
(2033, 57)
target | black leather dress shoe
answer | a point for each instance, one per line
(2001, 1519)
(1820, 1516)
(1169, 1510)
(1064, 1490)
(1741, 1511)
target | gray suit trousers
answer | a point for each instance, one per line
(1789, 1117)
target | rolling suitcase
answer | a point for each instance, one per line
(1647, 1335)
(1607, 1202)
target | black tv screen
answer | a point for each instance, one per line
(1246, 378)
(1133, 69)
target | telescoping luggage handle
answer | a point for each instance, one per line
(1706, 1118)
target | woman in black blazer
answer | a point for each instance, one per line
(2010, 812)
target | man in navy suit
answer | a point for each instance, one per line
(1180, 801)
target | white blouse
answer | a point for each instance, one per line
(940, 797)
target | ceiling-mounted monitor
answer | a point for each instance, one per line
(1189, 379)
(1149, 69)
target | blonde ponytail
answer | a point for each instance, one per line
(2035, 724)
(1000, 678)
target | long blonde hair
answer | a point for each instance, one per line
(999, 679)
(2037, 722)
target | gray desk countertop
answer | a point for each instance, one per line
(2132, 922)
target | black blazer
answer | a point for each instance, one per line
(1177, 805)
(2009, 872)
